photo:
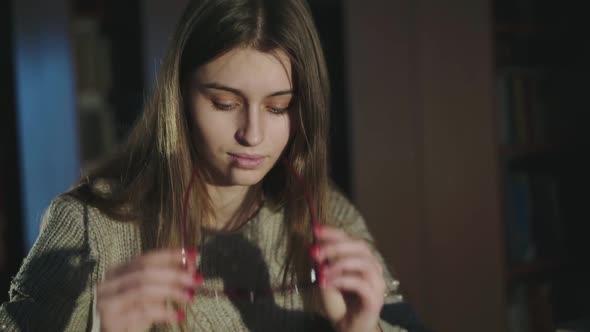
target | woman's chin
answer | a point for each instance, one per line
(249, 177)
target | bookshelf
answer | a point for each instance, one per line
(107, 58)
(542, 136)
(93, 71)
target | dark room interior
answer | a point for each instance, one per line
(458, 128)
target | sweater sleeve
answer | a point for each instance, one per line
(349, 219)
(52, 290)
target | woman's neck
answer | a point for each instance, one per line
(233, 205)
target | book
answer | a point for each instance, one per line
(522, 108)
(520, 246)
(547, 229)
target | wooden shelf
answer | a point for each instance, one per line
(540, 62)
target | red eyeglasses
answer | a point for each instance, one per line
(242, 293)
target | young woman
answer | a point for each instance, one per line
(217, 213)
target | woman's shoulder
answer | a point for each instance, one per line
(68, 214)
(340, 207)
(344, 215)
(68, 209)
(64, 210)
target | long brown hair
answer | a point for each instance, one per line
(145, 179)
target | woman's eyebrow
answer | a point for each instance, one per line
(218, 86)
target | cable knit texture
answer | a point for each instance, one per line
(55, 287)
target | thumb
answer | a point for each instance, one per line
(333, 302)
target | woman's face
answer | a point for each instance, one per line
(239, 104)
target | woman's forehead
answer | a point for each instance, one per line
(249, 70)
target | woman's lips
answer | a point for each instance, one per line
(248, 161)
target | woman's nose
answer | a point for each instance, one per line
(251, 130)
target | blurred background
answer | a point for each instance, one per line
(459, 128)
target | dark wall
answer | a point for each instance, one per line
(122, 25)
(10, 213)
(328, 17)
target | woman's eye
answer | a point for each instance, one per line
(225, 107)
(278, 111)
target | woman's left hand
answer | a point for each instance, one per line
(351, 280)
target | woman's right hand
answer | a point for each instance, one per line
(136, 295)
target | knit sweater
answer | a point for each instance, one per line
(55, 289)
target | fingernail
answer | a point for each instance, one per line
(198, 279)
(314, 251)
(180, 315)
(191, 294)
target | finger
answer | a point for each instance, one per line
(356, 285)
(163, 257)
(140, 295)
(336, 250)
(359, 267)
(166, 258)
(326, 233)
(148, 315)
(152, 275)
(353, 265)
(367, 262)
